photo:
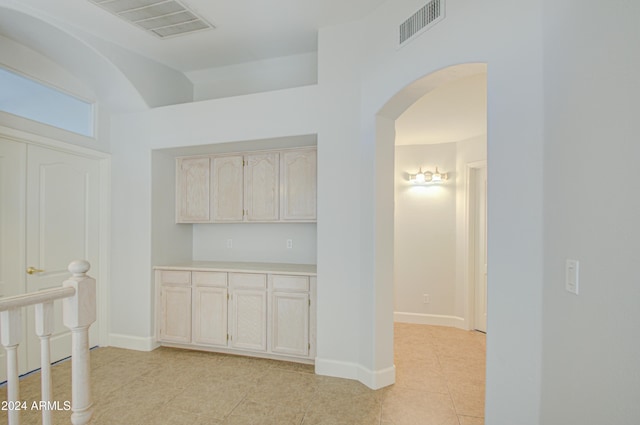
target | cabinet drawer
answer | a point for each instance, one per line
(176, 277)
(290, 283)
(209, 279)
(248, 280)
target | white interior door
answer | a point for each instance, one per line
(480, 243)
(12, 227)
(62, 224)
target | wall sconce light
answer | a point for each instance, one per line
(427, 177)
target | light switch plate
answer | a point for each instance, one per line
(572, 276)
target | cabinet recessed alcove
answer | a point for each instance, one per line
(234, 247)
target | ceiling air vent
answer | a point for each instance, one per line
(428, 15)
(162, 18)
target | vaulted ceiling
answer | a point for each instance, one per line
(245, 30)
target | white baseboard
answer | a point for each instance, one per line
(377, 379)
(129, 342)
(372, 379)
(429, 319)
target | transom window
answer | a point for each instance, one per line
(35, 101)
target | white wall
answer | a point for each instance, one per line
(591, 371)
(340, 229)
(430, 236)
(261, 242)
(170, 243)
(131, 224)
(255, 77)
(473, 32)
(256, 117)
(425, 236)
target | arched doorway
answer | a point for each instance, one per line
(384, 204)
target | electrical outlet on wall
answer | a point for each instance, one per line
(426, 299)
(289, 243)
(229, 243)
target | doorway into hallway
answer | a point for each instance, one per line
(439, 238)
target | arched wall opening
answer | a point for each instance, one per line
(384, 200)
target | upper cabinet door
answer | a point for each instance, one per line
(227, 188)
(261, 185)
(299, 177)
(192, 190)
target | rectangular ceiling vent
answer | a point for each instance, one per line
(162, 18)
(428, 15)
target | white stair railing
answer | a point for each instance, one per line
(78, 294)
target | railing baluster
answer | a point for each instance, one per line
(44, 328)
(79, 312)
(11, 329)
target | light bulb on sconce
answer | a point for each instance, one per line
(436, 177)
(425, 177)
(420, 177)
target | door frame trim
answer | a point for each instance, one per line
(104, 213)
(469, 241)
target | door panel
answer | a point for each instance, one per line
(227, 188)
(299, 185)
(249, 319)
(290, 323)
(210, 315)
(261, 194)
(12, 195)
(12, 227)
(480, 260)
(62, 224)
(193, 190)
(175, 325)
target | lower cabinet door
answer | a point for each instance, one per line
(175, 315)
(210, 315)
(249, 310)
(290, 323)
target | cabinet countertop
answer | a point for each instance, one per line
(230, 266)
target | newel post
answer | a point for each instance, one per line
(79, 312)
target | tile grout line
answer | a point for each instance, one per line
(446, 378)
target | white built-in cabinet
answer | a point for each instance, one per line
(268, 186)
(265, 313)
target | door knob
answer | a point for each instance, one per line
(32, 270)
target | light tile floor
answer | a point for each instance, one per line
(440, 381)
